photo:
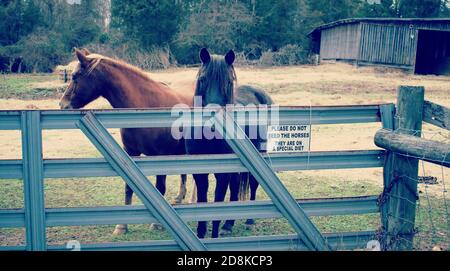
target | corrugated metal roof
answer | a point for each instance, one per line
(379, 20)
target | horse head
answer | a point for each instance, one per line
(84, 86)
(216, 78)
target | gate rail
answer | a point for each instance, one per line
(33, 169)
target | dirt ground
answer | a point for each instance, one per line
(328, 84)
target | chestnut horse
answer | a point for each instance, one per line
(125, 86)
(216, 85)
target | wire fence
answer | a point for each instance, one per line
(431, 226)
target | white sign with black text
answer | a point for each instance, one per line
(288, 138)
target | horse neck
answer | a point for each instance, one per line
(129, 89)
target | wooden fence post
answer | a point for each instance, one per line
(400, 191)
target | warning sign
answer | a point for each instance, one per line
(288, 138)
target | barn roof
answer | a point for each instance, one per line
(379, 20)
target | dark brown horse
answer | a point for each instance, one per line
(215, 85)
(125, 86)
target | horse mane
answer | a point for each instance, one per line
(96, 59)
(218, 70)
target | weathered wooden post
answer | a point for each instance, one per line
(425, 149)
(398, 201)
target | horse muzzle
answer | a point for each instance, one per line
(65, 105)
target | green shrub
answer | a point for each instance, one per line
(286, 55)
(103, 38)
(40, 51)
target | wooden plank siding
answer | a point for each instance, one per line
(340, 42)
(388, 44)
(376, 42)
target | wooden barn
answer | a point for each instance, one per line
(416, 44)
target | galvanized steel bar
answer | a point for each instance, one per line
(33, 170)
(11, 169)
(337, 241)
(13, 248)
(266, 177)
(387, 113)
(387, 119)
(135, 118)
(12, 218)
(10, 120)
(134, 177)
(218, 163)
(192, 212)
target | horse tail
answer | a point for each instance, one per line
(263, 97)
(246, 91)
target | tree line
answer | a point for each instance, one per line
(36, 35)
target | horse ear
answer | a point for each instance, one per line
(86, 51)
(205, 57)
(229, 57)
(81, 57)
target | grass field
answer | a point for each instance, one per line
(30, 86)
(332, 84)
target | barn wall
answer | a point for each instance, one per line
(340, 42)
(393, 43)
(388, 44)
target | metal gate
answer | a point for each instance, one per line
(33, 169)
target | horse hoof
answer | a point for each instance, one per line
(120, 230)
(177, 200)
(249, 227)
(227, 226)
(225, 232)
(250, 222)
(156, 227)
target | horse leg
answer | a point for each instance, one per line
(253, 187)
(161, 186)
(222, 181)
(243, 186)
(201, 182)
(181, 191)
(235, 182)
(123, 228)
(193, 194)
